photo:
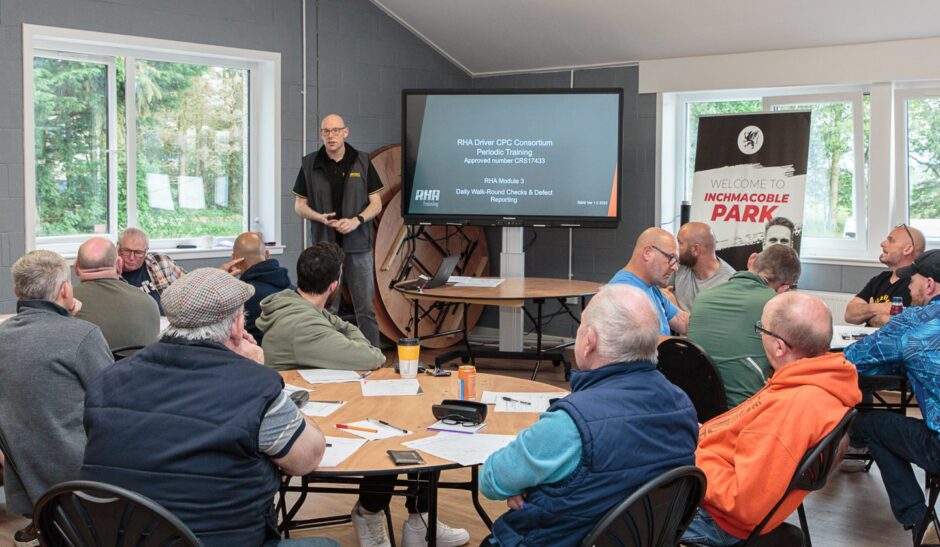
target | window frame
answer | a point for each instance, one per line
(864, 250)
(902, 183)
(263, 206)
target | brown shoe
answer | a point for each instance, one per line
(27, 537)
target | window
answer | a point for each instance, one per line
(836, 189)
(920, 150)
(174, 138)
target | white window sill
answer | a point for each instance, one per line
(857, 262)
(194, 254)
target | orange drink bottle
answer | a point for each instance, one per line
(467, 377)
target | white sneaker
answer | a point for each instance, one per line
(415, 530)
(370, 527)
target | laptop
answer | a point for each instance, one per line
(440, 278)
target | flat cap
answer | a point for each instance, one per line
(204, 296)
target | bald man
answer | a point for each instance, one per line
(337, 190)
(128, 318)
(252, 262)
(750, 453)
(655, 257)
(699, 267)
(872, 305)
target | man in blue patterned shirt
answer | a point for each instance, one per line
(908, 344)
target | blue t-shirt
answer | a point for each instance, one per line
(141, 278)
(667, 310)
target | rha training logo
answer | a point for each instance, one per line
(428, 198)
(750, 139)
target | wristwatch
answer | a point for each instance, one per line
(361, 219)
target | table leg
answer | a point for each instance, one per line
(538, 336)
(415, 319)
(433, 477)
(475, 496)
(466, 335)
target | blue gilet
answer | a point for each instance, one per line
(634, 425)
(178, 422)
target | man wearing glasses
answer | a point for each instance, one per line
(151, 272)
(655, 257)
(906, 345)
(750, 453)
(873, 304)
(337, 190)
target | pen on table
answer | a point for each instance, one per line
(364, 374)
(356, 428)
(386, 424)
(328, 402)
(511, 400)
(329, 445)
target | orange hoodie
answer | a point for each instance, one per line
(750, 453)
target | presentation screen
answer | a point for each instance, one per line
(548, 157)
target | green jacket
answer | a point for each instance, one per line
(298, 335)
(722, 322)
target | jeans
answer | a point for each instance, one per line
(375, 502)
(896, 441)
(705, 531)
(359, 278)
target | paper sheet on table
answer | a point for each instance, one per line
(463, 449)
(327, 376)
(319, 409)
(341, 449)
(456, 428)
(390, 388)
(382, 431)
(464, 281)
(538, 401)
(290, 388)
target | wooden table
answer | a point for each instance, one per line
(512, 292)
(410, 412)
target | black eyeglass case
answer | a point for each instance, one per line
(470, 411)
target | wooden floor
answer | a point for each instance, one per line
(851, 511)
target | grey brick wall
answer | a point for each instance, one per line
(361, 57)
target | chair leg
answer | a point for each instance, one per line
(388, 524)
(804, 526)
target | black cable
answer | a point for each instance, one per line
(535, 236)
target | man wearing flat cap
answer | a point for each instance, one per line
(194, 422)
(908, 344)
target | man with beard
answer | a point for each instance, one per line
(655, 257)
(907, 344)
(699, 267)
(872, 305)
(300, 332)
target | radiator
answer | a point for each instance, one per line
(837, 301)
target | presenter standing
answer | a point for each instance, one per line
(337, 190)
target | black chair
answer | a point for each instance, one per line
(125, 351)
(811, 475)
(932, 486)
(655, 515)
(685, 364)
(94, 514)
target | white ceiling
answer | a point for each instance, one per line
(507, 36)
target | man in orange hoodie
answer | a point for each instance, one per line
(750, 453)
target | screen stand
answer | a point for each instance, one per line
(511, 264)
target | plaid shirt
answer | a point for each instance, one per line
(908, 344)
(160, 268)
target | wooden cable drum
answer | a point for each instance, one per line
(392, 248)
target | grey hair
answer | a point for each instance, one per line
(38, 275)
(626, 324)
(216, 332)
(135, 233)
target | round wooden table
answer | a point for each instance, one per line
(409, 412)
(512, 292)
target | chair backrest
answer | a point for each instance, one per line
(685, 364)
(813, 471)
(125, 351)
(94, 514)
(655, 515)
